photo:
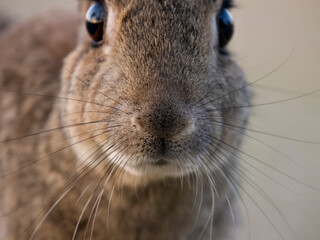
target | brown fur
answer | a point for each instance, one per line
(162, 77)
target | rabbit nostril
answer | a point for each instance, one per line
(188, 128)
(137, 123)
(163, 127)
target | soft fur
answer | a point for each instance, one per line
(140, 127)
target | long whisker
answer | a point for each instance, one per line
(80, 217)
(239, 185)
(54, 98)
(82, 163)
(97, 90)
(96, 212)
(50, 210)
(263, 132)
(218, 141)
(110, 164)
(259, 141)
(264, 104)
(55, 129)
(249, 181)
(49, 155)
(72, 182)
(286, 60)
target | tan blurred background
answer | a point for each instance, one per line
(267, 34)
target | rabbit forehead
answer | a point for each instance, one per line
(219, 3)
(125, 3)
(164, 2)
(173, 41)
(161, 29)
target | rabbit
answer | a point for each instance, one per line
(122, 131)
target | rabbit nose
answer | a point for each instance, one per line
(163, 122)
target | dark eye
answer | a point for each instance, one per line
(225, 28)
(95, 19)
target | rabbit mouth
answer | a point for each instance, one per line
(160, 169)
(160, 162)
(154, 167)
(153, 163)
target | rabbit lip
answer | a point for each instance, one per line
(156, 163)
(160, 162)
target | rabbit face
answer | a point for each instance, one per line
(155, 94)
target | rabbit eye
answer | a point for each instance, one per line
(225, 27)
(95, 19)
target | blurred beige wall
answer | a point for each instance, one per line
(24, 8)
(268, 34)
